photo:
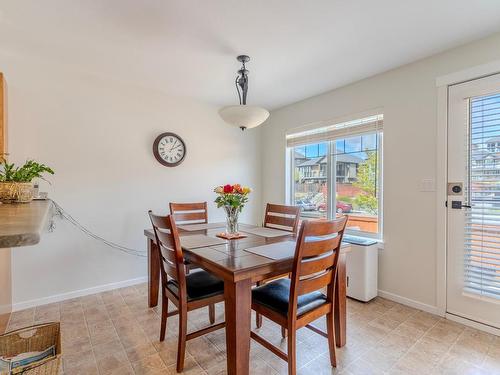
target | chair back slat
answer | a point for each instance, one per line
(280, 220)
(167, 253)
(189, 213)
(316, 258)
(171, 256)
(190, 217)
(325, 228)
(315, 246)
(159, 222)
(316, 282)
(282, 217)
(317, 264)
(170, 268)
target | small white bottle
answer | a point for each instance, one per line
(35, 190)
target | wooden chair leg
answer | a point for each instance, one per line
(330, 325)
(164, 315)
(258, 320)
(258, 317)
(283, 332)
(181, 349)
(292, 358)
(211, 313)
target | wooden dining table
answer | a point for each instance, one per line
(240, 269)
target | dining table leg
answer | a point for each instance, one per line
(238, 303)
(153, 273)
(340, 312)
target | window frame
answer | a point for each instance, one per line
(331, 174)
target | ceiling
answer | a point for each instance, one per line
(298, 48)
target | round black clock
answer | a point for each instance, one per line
(169, 149)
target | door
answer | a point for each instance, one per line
(473, 247)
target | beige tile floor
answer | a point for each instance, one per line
(115, 333)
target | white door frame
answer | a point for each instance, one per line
(443, 84)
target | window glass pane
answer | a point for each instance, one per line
(339, 146)
(301, 150)
(369, 142)
(310, 180)
(353, 144)
(356, 187)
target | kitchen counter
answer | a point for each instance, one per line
(21, 224)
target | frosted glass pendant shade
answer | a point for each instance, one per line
(244, 116)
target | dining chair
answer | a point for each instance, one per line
(187, 292)
(296, 302)
(189, 213)
(284, 218)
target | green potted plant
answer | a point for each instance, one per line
(16, 182)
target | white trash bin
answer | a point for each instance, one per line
(362, 268)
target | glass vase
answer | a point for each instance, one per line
(231, 220)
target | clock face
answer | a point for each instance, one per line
(169, 149)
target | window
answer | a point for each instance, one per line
(336, 173)
(310, 179)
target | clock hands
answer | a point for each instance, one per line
(173, 146)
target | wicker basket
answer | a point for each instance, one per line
(19, 192)
(7, 192)
(34, 338)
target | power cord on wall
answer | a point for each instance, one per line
(63, 214)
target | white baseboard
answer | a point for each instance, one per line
(411, 303)
(473, 324)
(77, 293)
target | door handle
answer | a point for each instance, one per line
(458, 205)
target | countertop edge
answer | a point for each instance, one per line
(34, 213)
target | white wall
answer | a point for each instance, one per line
(408, 96)
(97, 135)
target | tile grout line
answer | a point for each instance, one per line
(414, 344)
(88, 333)
(383, 338)
(465, 360)
(117, 335)
(91, 345)
(449, 349)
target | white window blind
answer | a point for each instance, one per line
(482, 226)
(323, 132)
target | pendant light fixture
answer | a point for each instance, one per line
(244, 116)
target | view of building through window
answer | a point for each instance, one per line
(350, 168)
(310, 179)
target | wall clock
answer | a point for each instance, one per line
(169, 149)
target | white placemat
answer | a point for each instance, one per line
(200, 240)
(203, 226)
(266, 232)
(278, 250)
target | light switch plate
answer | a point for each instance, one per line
(427, 185)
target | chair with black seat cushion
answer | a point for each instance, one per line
(187, 292)
(285, 218)
(187, 214)
(296, 302)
